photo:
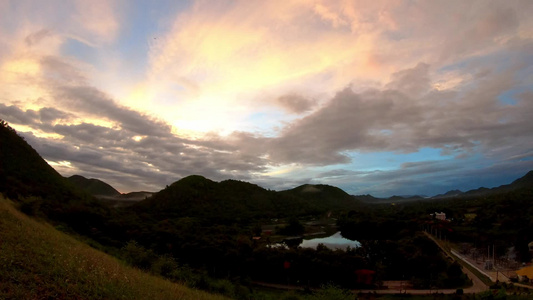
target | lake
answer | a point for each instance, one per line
(335, 241)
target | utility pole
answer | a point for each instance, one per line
(494, 263)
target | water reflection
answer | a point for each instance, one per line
(335, 241)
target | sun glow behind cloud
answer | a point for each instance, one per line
(275, 91)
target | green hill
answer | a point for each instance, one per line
(199, 197)
(93, 186)
(323, 197)
(39, 262)
(26, 178)
(24, 173)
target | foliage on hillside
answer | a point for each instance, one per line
(28, 179)
(499, 217)
(24, 173)
(93, 186)
(39, 262)
(323, 197)
(236, 201)
(210, 226)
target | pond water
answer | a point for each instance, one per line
(335, 241)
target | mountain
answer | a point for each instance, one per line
(369, 199)
(125, 200)
(135, 196)
(525, 182)
(522, 184)
(106, 192)
(322, 197)
(23, 173)
(227, 200)
(237, 200)
(27, 178)
(452, 193)
(93, 186)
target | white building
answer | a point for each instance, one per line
(440, 216)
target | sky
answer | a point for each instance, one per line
(386, 98)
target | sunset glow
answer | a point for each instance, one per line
(380, 97)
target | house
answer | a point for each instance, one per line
(440, 216)
(525, 274)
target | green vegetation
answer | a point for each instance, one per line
(93, 186)
(39, 262)
(478, 274)
(233, 201)
(208, 235)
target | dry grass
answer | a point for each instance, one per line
(39, 262)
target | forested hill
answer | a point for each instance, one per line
(24, 173)
(93, 186)
(231, 199)
(323, 197)
(26, 178)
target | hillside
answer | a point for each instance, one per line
(39, 262)
(24, 173)
(227, 200)
(93, 186)
(25, 177)
(323, 197)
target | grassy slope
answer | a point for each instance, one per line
(39, 262)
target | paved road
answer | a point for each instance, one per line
(477, 285)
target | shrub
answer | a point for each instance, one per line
(137, 256)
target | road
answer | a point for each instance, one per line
(477, 285)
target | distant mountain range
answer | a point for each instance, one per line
(525, 182)
(24, 173)
(203, 198)
(315, 195)
(104, 191)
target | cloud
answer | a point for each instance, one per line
(296, 104)
(404, 117)
(92, 101)
(62, 71)
(98, 18)
(156, 158)
(326, 79)
(36, 37)
(412, 82)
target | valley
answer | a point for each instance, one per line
(218, 236)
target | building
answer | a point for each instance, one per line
(440, 216)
